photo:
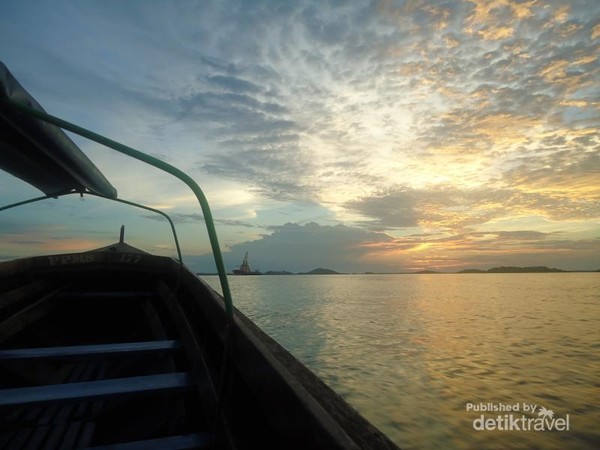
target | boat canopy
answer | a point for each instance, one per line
(41, 153)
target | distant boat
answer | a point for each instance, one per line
(244, 268)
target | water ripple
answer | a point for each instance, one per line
(410, 351)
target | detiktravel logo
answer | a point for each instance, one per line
(520, 416)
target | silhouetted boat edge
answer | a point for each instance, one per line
(115, 346)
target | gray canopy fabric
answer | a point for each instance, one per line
(40, 153)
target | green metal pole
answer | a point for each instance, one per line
(210, 226)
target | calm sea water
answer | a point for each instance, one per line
(410, 352)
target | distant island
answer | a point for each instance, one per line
(317, 271)
(500, 269)
(277, 272)
(507, 269)
(512, 269)
(320, 271)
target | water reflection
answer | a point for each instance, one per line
(411, 351)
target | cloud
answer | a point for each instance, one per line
(281, 173)
(335, 79)
(443, 115)
(497, 19)
(194, 218)
(439, 208)
(485, 250)
(572, 173)
(300, 248)
(451, 208)
(234, 84)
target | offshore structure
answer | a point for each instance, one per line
(244, 268)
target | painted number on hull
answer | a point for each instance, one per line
(130, 259)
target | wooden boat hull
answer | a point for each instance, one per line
(186, 375)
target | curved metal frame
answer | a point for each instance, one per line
(62, 194)
(127, 202)
(208, 219)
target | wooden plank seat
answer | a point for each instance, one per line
(137, 294)
(38, 426)
(186, 441)
(90, 390)
(85, 351)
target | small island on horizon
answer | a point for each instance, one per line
(317, 271)
(244, 269)
(509, 269)
(500, 269)
(320, 271)
(513, 269)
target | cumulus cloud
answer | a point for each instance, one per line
(300, 248)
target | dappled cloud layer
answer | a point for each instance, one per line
(445, 134)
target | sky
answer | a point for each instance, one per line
(384, 136)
